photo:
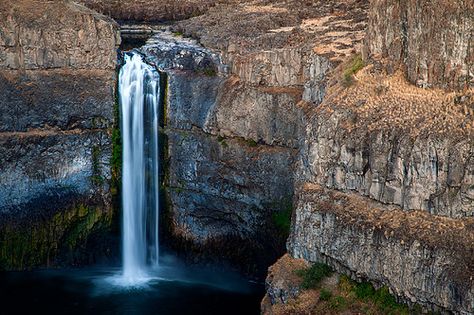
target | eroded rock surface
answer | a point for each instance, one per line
(223, 184)
(422, 258)
(57, 83)
(262, 101)
(403, 148)
(395, 143)
(432, 39)
(77, 39)
(150, 11)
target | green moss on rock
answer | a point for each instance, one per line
(313, 276)
(281, 217)
(356, 64)
(40, 244)
(116, 159)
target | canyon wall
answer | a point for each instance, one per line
(422, 258)
(433, 40)
(149, 11)
(271, 102)
(57, 85)
(384, 174)
(223, 181)
(232, 154)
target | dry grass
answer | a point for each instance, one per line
(455, 236)
(332, 28)
(285, 267)
(336, 295)
(380, 102)
(405, 225)
(264, 9)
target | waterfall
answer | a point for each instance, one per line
(139, 100)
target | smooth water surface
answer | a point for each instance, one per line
(94, 291)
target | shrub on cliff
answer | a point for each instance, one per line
(282, 218)
(314, 275)
(353, 67)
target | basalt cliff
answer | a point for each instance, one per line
(57, 83)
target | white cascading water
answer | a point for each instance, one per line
(139, 100)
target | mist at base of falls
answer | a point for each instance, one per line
(172, 288)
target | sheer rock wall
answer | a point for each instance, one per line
(57, 85)
(433, 40)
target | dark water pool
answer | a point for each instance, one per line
(170, 290)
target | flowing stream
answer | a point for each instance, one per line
(139, 91)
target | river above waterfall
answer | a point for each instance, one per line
(174, 290)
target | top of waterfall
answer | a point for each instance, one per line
(170, 51)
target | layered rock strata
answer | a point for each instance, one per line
(57, 85)
(393, 142)
(433, 40)
(149, 11)
(399, 147)
(245, 133)
(422, 258)
(394, 161)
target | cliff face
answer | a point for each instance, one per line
(384, 175)
(57, 83)
(394, 143)
(273, 102)
(150, 11)
(234, 118)
(422, 258)
(223, 186)
(433, 40)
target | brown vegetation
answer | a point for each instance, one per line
(436, 232)
(382, 102)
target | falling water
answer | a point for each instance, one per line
(139, 99)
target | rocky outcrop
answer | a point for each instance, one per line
(150, 11)
(282, 283)
(57, 83)
(422, 258)
(282, 44)
(393, 142)
(235, 116)
(433, 40)
(79, 39)
(224, 180)
(385, 172)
